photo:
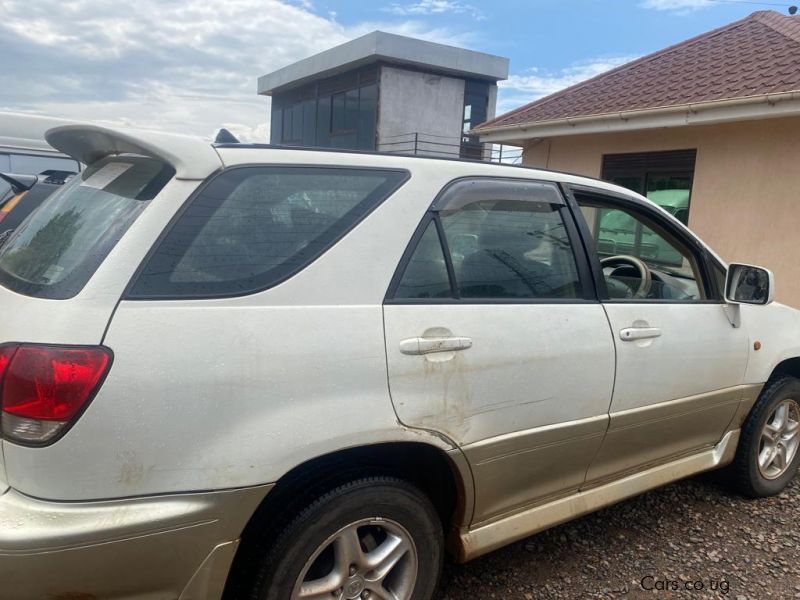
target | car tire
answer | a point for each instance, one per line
(751, 473)
(383, 515)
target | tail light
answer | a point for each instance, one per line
(44, 389)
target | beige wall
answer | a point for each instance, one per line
(746, 193)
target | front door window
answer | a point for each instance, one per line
(641, 260)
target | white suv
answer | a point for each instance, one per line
(280, 373)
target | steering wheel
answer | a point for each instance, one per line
(644, 271)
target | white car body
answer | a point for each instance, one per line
(23, 149)
(211, 402)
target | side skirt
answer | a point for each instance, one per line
(491, 536)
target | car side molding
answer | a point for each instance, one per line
(491, 536)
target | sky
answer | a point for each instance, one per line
(191, 66)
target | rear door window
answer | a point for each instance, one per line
(511, 249)
(500, 240)
(54, 252)
(252, 227)
(426, 275)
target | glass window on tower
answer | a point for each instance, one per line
(476, 107)
(339, 112)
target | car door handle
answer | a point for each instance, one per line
(630, 334)
(429, 345)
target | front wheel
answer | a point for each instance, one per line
(374, 538)
(767, 456)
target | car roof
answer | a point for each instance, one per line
(196, 158)
(233, 154)
(24, 133)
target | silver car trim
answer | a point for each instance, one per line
(174, 542)
(491, 536)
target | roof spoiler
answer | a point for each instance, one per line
(192, 158)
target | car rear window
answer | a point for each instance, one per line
(54, 251)
(252, 227)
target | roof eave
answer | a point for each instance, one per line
(380, 46)
(704, 113)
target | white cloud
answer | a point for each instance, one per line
(189, 66)
(435, 7)
(682, 7)
(415, 29)
(536, 83)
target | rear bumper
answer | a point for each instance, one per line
(178, 546)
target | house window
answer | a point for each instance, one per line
(339, 112)
(664, 177)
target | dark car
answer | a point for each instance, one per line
(20, 195)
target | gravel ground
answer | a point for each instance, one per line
(693, 533)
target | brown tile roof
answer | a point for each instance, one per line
(758, 55)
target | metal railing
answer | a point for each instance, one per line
(428, 144)
(503, 153)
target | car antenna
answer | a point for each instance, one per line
(225, 137)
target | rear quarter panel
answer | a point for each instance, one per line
(205, 397)
(84, 318)
(80, 320)
(222, 393)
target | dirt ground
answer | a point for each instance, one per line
(692, 539)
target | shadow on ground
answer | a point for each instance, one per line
(692, 539)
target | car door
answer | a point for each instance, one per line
(495, 338)
(680, 361)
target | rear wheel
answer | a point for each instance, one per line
(377, 537)
(767, 456)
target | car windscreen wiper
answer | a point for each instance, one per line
(4, 235)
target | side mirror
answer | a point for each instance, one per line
(748, 284)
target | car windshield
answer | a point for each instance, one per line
(55, 250)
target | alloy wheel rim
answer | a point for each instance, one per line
(779, 441)
(373, 559)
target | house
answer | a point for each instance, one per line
(388, 93)
(708, 128)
